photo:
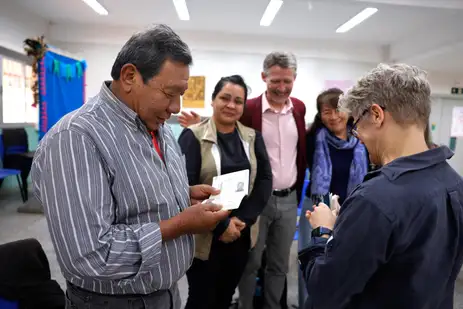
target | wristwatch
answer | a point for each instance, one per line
(320, 231)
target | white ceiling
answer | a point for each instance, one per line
(420, 31)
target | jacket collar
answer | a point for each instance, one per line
(210, 133)
(415, 162)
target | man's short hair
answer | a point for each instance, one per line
(148, 50)
(402, 90)
(284, 60)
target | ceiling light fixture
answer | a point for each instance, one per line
(96, 6)
(357, 19)
(270, 12)
(182, 9)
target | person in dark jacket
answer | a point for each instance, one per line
(398, 240)
(336, 159)
(25, 276)
(217, 146)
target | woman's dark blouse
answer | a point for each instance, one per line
(233, 158)
(341, 161)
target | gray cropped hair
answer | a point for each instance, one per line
(149, 49)
(285, 60)
(401, 89)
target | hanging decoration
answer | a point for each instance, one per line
(64, 69)
(35, 48)
(62, 87)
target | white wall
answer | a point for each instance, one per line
(17, 24)
(215, 55)
(441, 116)
(312, 72)
(214, 64)
(217, 41)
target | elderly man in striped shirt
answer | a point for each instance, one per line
(112, 180)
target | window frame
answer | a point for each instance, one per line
(24, 59)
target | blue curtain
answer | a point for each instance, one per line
(62, 88)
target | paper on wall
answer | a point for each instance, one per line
(456, 129)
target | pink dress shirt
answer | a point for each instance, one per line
(280, 136)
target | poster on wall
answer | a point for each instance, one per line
(457, 122)
(341, 84)
(14, 91)
(195, 95)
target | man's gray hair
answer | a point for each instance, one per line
(285, 60)
(148, 50)
(401, 89)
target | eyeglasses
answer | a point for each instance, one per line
(353, 129)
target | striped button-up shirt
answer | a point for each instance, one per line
(104, 190)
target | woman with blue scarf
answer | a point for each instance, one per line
(337, 162)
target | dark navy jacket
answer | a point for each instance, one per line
(398, 241)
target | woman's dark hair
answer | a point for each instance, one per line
(328, 97)
(234, 79)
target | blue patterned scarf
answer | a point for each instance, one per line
(322, 169)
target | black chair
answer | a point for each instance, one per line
(25, 278)
(16, 155)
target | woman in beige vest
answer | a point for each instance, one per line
(217, 146)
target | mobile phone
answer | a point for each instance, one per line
(317, 199)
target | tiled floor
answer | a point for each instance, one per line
(14, 226)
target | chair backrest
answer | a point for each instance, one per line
(25, 276)
(2, 152)
(304, 187)
(15, 141)
(7, 304)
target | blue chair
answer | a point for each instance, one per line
(304, 187)
(6, 304)
(6, 172)
(299, 207)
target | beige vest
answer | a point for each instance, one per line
(206, 133)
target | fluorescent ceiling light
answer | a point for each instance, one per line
(357, 19)
(270, 12)
(96, 6)
(182, 9)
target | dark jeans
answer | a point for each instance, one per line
(212, 283)
(77, 298)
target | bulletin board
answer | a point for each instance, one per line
(195, 95)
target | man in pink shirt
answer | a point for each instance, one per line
(280, 118)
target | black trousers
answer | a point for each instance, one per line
(212, 283)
